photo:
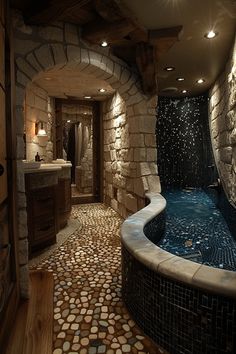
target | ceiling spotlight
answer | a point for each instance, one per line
(184, 91)
(104, 44)
(102, 90)
(180, 79)
(48, 78)
(68, 121)
(169, 68)
(210, 35)
(87, 97)
(200, 81)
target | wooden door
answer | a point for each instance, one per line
(8, 271)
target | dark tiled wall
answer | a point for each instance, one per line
(178, 318)
(183, 142)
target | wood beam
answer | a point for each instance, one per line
(164, 39)
(52, 10)
(97, 31)
(146, 62)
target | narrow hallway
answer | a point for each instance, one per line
(89, 315)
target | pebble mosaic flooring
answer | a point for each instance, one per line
(89, 315)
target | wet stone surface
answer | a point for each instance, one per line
(89, 315)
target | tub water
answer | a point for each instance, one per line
(196, 229)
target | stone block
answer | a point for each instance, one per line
(51, 33)
(114, 204)
(73, 55)
(125, 169)
(151, 154)
(140, 108)
(130, 185)
(59, 54)
(44, 56)
(22, 79)
(25, 67)
(33, 62)
(71, 34)
(24, 46)
(23, 251)
(154, 184)
(139, 154)
(226, 155)
(231, 119)
(136, 140)
(232, 137)
(150, 140)
(20, 147)
(139, 187)
(131, 203)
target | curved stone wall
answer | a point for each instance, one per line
(183, 306)
(222, 111)
(129, 127)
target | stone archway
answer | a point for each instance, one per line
(129, 117)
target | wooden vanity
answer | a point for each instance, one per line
(48, 197)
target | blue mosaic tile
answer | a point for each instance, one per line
(196, 230)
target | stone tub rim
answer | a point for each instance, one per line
(219, 281)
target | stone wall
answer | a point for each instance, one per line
(223, 126)
(39, 107)
(129, 116)
(129, 153)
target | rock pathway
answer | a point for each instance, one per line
(89, 315)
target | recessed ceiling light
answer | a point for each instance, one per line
(180, 79)
(87, 97)
(104, 44)
(200, 81)
(68, 121)
(184, 91)
(48, 78)
(102, 90)
(210, 35)
(169, 68)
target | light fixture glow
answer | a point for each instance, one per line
(102, 90)
(180, 79)
(48, 78)
(104, 44)
(169, 68)
(40, 131)
(68, 121)
(184, 91)
(200, 81)
(87, 97)
(210, 35)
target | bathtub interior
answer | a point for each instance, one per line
(193, 227)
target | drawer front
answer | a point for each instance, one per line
(43, 206)
(43, 230)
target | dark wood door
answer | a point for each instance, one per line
(8, 270)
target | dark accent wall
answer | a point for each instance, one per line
(184, 153)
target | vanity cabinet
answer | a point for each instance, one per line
(42, 212)
(64, 201)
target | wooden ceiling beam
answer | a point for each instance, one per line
(53, 10)
(98, 31)
(146, 63)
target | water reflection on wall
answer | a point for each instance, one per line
(183, 142)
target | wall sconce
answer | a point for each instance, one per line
(39, 129)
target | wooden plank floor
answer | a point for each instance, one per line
(33, 330)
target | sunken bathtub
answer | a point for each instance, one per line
(185, 307)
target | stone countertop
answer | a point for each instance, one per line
(62, 165)
(42, 169)
(220, 281)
